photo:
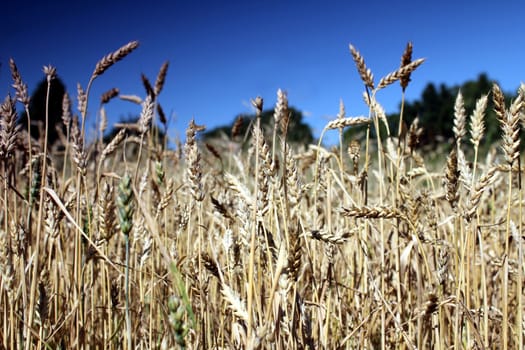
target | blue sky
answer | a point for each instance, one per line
(222, 53)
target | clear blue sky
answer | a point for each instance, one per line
(222, 53)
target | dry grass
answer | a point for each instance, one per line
(269, 246)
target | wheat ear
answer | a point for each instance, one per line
(109, 60)
(364, 72)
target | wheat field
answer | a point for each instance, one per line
(254, 243)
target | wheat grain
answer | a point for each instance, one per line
(406, 58)
(236, 128)
(451, 177)
(18, 84)
(147, 86)
(109, 95)
(401, 73)
(481, 186)
(50, 73)
(344, 122)
(106, 213)
(460, 118)
(162, 115)
(364, 72)
(193, 172)
(8, 128)
(131, 98)
(161, 78)
(371, 212)
(330, 237)
(112, 58)
(499, 102)
(510, 128)
(477, 124)
(66, 110)
(146, 115)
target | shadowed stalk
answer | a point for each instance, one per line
(50, 74)
(258, 104)
(511, 143)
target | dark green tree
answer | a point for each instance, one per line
(37, 110)
(435, 110)
(298, 131)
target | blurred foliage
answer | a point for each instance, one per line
(298, 131)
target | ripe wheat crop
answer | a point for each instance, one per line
(255, 243)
